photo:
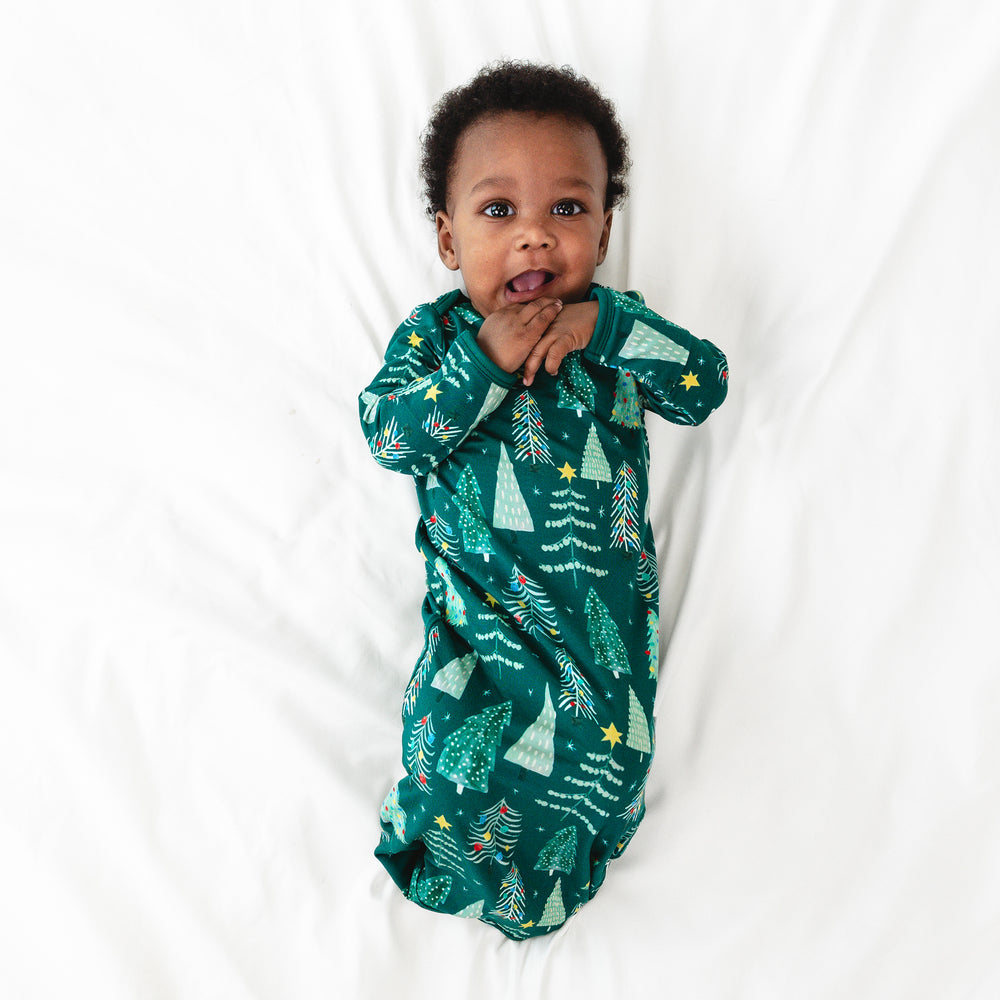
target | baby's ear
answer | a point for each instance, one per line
(446, 241)
(602, 247)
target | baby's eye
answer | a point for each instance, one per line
(567, 207)
(498, 210)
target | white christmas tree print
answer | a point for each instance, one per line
(509, 509)
(420, 672)
(605, 639)
(390, 446)
(442, 536)
(530, 439)
(624, 510)
(576, 388)
(438, 426)
(494, 834)
(472, 519)
(510, 902)
(554, 911)
(469, 753)
(535, 750)
(559, 852)
(649, 344)
(419, 750)
(454, 675)
(494, 631)
(589, 794)
(575, 694)
(647, 576)
(531, 609)
(444, 849)
(571, 502)
(638, 729)
(595, 462)
(627, 409)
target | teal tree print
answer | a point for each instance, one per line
(605, 639)
(472, 518)
(469, 753)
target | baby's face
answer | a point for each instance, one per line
(526, 213)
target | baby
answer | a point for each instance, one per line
(517, 406)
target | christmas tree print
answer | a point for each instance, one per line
(531, 609)
(653, 643)
(575, 694)
(392, 812)
(651, 345)
(530, 439)
(589, 794)
(469, 753)
(570, 501)
(472, 519)
(510, 902)
(431, 891)
(638, 729)
(559, 852)
(605, 639)
(624, 515)
(576, 388)
(420, 673)
(442, 536)
(419, 751)
(509, 509)
(535, 750)
(595, 462)
(494, 632)
(389, 446)
(627, 409)
(647, 576)
(554, 911)
(454, 675)
(444, 850)
(454, 608)
(473, 911)
(494, 834)
(438, 427)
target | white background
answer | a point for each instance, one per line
(210, 224)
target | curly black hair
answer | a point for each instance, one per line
(513, 85)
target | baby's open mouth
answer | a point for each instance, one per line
(530, 281)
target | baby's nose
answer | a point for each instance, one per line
(536, 235)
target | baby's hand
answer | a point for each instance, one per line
(571, 330)
(508, 335)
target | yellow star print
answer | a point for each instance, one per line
(432, 393)
(415, 341)
(690, 380)
(567, 472)
(491, 600)
(442, 822)
(611, 735)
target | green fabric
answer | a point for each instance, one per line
(527, 722)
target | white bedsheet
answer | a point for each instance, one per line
(209, 226)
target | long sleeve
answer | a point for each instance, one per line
(678, 376)
(435, 387)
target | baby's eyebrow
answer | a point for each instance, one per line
(562, 182)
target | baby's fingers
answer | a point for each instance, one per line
(551, 349)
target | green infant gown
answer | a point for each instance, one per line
(527, 721)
